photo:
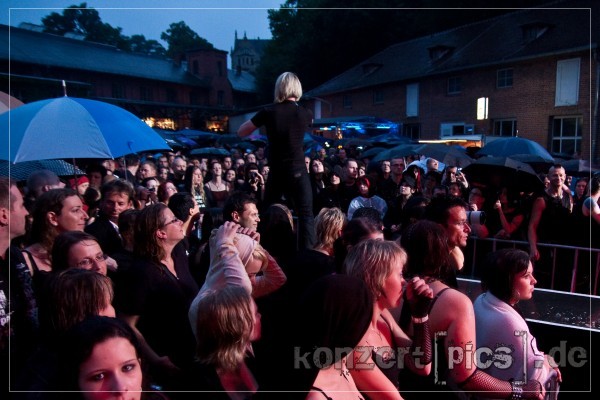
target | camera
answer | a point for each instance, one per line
(253, 176)
(476, 217)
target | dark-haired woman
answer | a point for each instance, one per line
(153, 295)
(508, 279)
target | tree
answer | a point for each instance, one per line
(182, 38)
(87, 22)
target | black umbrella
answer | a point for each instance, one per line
(579, 167)
(210, 151)
(538, 163)
(372, 152)
(449, 155)
(397, 152)
(21, 171)
(504, 172)
(507, 147)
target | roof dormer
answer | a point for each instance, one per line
(439, 52)
(369, 68)
(534, 30)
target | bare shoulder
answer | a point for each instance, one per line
(455, 302)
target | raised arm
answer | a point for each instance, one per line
(246, 129)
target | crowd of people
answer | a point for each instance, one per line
(269, 272)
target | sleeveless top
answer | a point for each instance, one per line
(412, 385)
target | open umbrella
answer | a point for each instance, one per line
(402, 150)
(209, 151)
(389, 140)
(22, 170)
(8, 102)
(372, 152)
(69, 127)
(504, 171)
(538, 163)
(579, 167)
(449, 155)
(506, 147)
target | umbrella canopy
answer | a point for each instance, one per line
(8, 102)
(449, 155)
(506, 147)
(402, 150)
(21, 171)
(372, 152)
(504, 171)
(69, 127)
(538, 163)
(579, 167)
(210, 151)
(257, 140)
(229, 139)
(389, 140)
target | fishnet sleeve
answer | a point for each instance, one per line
(482, 384)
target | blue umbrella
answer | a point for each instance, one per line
(210, 151)
(506, 147)
(69, 127)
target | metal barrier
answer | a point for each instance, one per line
(524, 245)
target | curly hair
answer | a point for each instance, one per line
(224, 327)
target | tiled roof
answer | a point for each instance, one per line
(491, 42)
(243, 82)
(46, 49)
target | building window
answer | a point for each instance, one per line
(412, 100)
(195, 67)
(412, 131)
(456, 129)
(118, 91)
(504, 78)
(378, 97)
(505, 127)
(146, 94)
(220, 98)
(171, 95)
(567, 82)
(347, 101)
(566, 135)
(219, 68)
(454, 85)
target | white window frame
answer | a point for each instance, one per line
(567, 82)
(412, 100)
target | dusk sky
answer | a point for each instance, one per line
(214, 20)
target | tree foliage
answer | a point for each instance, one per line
(181, 38)
(86, 21)
(319, 39)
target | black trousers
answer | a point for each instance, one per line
(294, 185)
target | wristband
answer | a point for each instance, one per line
(517, 391)
(422, 320)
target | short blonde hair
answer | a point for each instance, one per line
(287, 85)
(259, 253)
(371, 260)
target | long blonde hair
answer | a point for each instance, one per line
(224, 326)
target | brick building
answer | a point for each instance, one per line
(193, 91)
(535, 71)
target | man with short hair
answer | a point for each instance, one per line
(347, 189)
(117, 196)
(227, 163)
(39, 182)
(450, 212)
(390, 189)
(241, 208)
(550, 221)
(178, 167)
(18, 308)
